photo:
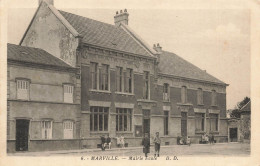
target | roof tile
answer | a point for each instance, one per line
(33, 55)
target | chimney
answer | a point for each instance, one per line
(50, 2)
(157, 48)
(121, 17)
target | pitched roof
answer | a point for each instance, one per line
(104, 35)
(172, 64)
(246, 108)
(33, 55)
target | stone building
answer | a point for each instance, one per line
(118, 85)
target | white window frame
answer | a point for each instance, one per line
(22, 89)
(46, 132)
(68, 91)
(68, 129)
(166, 96)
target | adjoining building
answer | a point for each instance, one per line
(82, 78)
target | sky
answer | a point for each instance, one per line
(213, 36)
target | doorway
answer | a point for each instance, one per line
(22, 134)
(184, 124)
(233, 134)
(146, 122)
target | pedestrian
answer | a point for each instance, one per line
(108, 142)
(146, 144)
(157, 143)
(188, 141)
(118, 143)
(103, 142)
(122, 141)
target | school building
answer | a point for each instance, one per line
(72, 79)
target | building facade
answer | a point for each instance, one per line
(119, 85)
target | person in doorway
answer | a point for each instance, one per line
(108, 142)
(146, 144)
(157, 143)
(103, 142)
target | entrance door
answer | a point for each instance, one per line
(22, 132)
(233, 134)
(184, 123)
(146, 122)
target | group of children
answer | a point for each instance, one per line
(205, 138)
(107, 141)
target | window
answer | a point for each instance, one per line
(98, 118)
(22, 89)
(166, 122)
(94, 75)
(119, 79)
(213, 119)
(129, 81)
(184, 94)
(213, 98)
(123, 119)
(68, 129)
(68, 93)
(166, 94)
(200, 96)
(47, 129)
(199, 121)
(146, 85)
(103, 77)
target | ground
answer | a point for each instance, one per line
(227, 149)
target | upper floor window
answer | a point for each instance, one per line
(94, 75)
(104, 77)
(166, 92)
(68, 93)
(200, 96)
(146, 85)
(68, 129)
(47, 129)
(123, 119)
(22, 89)
(119, 79)
(213, 98)
(129, 81)
(184, 94)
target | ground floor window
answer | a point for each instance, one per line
(166, 122)
(99, 118)
(68, 129)
(46, 129)
(199, 121)
(213, 120)
(123, 119)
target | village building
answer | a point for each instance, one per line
(73, 79)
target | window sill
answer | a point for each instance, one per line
(166, 101)
(123, 93)
(200, 104)
(199, 132)
(100, 91)
(214, 132)
(124, 132)
(214, 106)
(99, 132)
(185, 104)
(146, 101)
